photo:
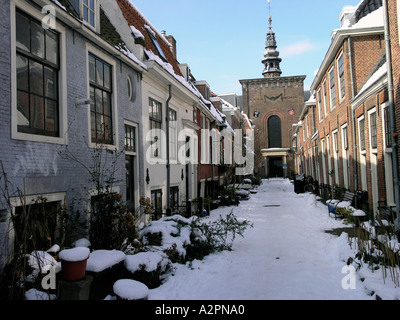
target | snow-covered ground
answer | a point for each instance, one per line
(286, 255)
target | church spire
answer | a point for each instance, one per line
(271, 59)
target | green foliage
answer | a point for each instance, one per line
(346, 213)
(212, 236)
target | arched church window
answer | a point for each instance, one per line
(274, 132)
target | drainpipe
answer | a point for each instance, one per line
(392, 114)
(168, 155)
(353, 115)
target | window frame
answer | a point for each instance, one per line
(335, 146)
(332, 88)
(173, 134)
(129, 140)
(345, 155)
(156, 123)
(158, 195)
(373, 130)
(319, 98)
(361, 134)
(30, 91)
(62, 137)
(91, 49)
(324, 91)
(93, 84)
(340, 72)
(96, 12)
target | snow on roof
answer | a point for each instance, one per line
(148, 23)
(374, 19)
(137, 33)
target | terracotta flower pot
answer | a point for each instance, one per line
(73, 263)
(73, 270)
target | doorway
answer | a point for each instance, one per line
(276, 167)
(130, 182)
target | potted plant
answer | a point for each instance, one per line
(73, 263)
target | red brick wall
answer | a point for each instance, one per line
(395, 52)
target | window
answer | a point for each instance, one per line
(173, 134)
(328, 154)
(153, 38)
(373, 130)
(345, 138)
(42, 223)
(324, 95)
(388, 136)
(363, 160)
(131, 89)
(335, 144)
(321, 117)
(274, 132)
(101, 106)
(332, 88)
(38, 65)
(130, 138)
(155, 114)
(361, 129)
(345, 157)
(88, 11)
(307, 129)
(342, 88)
(323, 157)
(174, 198)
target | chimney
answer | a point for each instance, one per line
(172, 41)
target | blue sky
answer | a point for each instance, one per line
(223, 41)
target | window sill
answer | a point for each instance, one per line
(38, 138)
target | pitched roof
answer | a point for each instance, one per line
(152, 37)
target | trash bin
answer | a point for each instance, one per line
(299, 183)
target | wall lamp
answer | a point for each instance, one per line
(82, 102)
(147, 176)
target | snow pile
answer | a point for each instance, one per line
(40, 259)
(148, 261)
(100, 260)
(130, 289)
(33, 294)
(74, 254)
(170, 234)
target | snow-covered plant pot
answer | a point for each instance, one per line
(126, 289)
(73, 263)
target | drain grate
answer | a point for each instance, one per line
(272, 205)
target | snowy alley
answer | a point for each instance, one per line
(286, 255)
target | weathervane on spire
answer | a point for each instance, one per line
(270, 18)
(271, 59)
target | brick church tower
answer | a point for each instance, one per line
(274, 104)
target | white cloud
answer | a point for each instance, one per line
(297, 48)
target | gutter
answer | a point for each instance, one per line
(392, 114)
(353, 116)
(168, 155)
